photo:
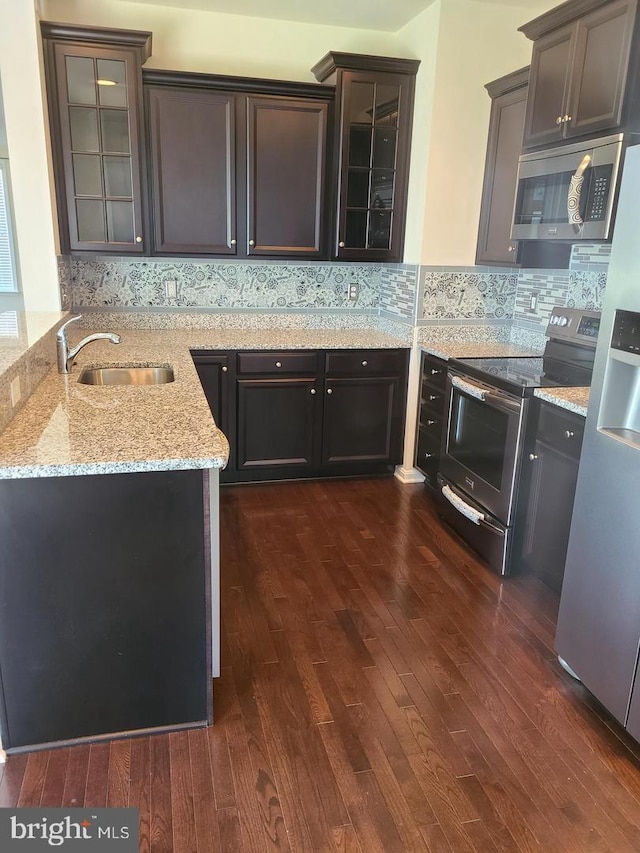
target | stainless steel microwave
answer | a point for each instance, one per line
(568, 193)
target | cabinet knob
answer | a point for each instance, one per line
(313, 391)
(511, 248)
(341, 244)
(569, 433)
(433, 397)
(329, 391)
(533, 457)
(434, 371)
(225, 368)
(233, 242)
(138, 239)
(252, 242)
(278, 364)
(428, 455)
(559, 120)
(365, 363)
(566, 119)
(431, 423)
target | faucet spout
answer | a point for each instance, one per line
(67, 356)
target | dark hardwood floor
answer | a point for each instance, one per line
(381, 691)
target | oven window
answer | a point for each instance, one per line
(478, 438)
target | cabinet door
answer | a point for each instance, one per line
(213, 372)
(546, 103)
(599, 68)
(375, 139)
(549, 505)
(276, 425)
(506, 128)
(98, 102)
(362, 421)
(192, 139)
(286, 176)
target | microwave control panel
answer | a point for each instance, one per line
(626, 332)
(598, 198)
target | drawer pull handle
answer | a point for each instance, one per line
(225, 368)
(278, 364)
(533, 457)
(313, 390)
(568, 433)
(329, 391)
(365, 363)
(431, 423)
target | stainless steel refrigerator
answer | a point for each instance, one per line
(598, 632)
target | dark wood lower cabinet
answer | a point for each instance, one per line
(276, 425)
(307, 413)
(104, 617)
(549, 476)
(431, 417)
(361, 421)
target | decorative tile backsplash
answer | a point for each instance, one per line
(456, 294)
(399, 291)
(222, 286)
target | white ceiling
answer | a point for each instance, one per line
(387, 15)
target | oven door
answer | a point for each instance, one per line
(481, 444)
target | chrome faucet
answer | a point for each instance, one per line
(66, 356)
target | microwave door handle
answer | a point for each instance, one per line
(575, 192)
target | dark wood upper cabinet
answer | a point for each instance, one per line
(286, 176)
(193, 170)
(370, 171)
(579, 69)
(234, 172)
(94, 89)
(506, 126)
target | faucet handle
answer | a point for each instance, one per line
(62, 331)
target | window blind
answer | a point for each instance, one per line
(8, 277)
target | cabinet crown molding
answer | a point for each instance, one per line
(561, 15)
(335, 60)
(508, 83)
(140, 39)
(230, 83)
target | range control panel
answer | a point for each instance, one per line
(576, 325)
(626, 332)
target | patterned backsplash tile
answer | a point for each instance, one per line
(467, 295)
(122, 283)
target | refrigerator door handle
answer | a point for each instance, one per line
(575, 192)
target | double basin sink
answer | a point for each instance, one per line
(126, 376)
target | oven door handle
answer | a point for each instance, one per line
(575, 192)
(470, 512)
(469, 388)
(486, 395)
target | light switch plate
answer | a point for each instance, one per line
(16, 392)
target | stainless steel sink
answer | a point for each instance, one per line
(126, 376)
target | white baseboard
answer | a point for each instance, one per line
(408, 475)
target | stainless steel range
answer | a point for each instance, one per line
(487, 404)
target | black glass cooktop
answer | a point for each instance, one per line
(518, 375)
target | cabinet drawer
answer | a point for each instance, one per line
(434, 370)
(427, 452)
(562, 430)
(431, 423)
(276, 362)
(378, 362)
(432, 397)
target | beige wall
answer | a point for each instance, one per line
(478, 42)
(24, 109)
(190, 40)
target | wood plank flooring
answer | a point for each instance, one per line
(381, 691)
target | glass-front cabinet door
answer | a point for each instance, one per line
(98, 108)
(376, 123)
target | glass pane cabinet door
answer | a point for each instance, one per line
(98, 108)
(369, 184)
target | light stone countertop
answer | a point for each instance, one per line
(477, 349)
(573, 399)
(70, 429)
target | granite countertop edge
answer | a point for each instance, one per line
(572, 399)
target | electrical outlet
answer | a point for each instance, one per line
(16, 392)
(353, 291)
(171, 289)
(533, 303)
